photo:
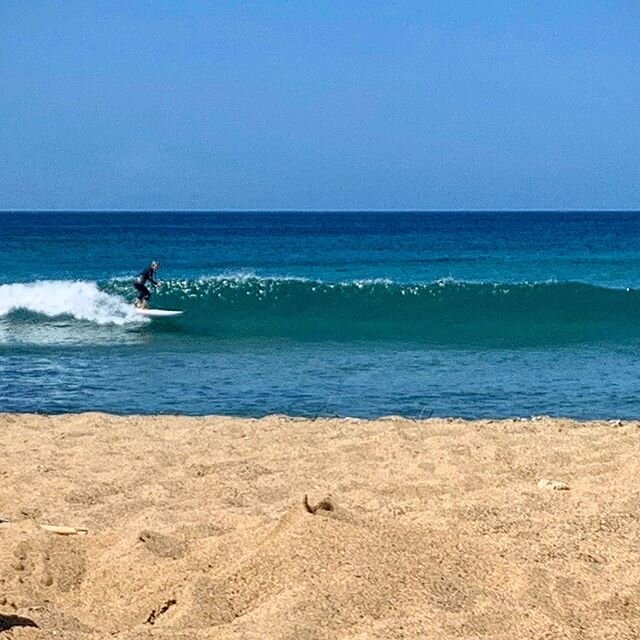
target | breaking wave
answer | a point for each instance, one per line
(80, 300)
(445, 311)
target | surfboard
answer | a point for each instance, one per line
(158, 313)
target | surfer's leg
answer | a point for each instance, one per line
(144, 303)
(143, 294)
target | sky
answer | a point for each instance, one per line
(319, 105)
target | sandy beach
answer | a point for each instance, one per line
(198, 528)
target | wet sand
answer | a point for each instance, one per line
(198, 528)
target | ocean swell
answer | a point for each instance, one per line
(446, 311)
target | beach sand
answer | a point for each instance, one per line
(197, 528)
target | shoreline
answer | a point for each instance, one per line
(199, 526)
(287, 417)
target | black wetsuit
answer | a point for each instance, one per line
(141, 281)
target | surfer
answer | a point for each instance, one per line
(148, 275)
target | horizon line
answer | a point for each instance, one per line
(543, 210)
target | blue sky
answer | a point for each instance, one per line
(319, 105)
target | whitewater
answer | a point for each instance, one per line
(76, 299)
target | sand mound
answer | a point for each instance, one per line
(316, 576)
(310, 575)
(199, 528)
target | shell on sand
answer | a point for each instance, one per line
(556, 485)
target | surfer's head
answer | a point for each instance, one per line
(155, 265)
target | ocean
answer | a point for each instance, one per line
(464, 314)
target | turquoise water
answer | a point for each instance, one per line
(363, 314)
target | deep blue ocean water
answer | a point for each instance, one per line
(360, 314)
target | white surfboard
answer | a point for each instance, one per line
(158, 313)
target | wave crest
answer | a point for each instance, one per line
(78, 299)
(446, 311)
(230, 307)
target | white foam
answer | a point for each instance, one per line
(243, 276)
(79, 299)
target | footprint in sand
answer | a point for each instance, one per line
(162, 545)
